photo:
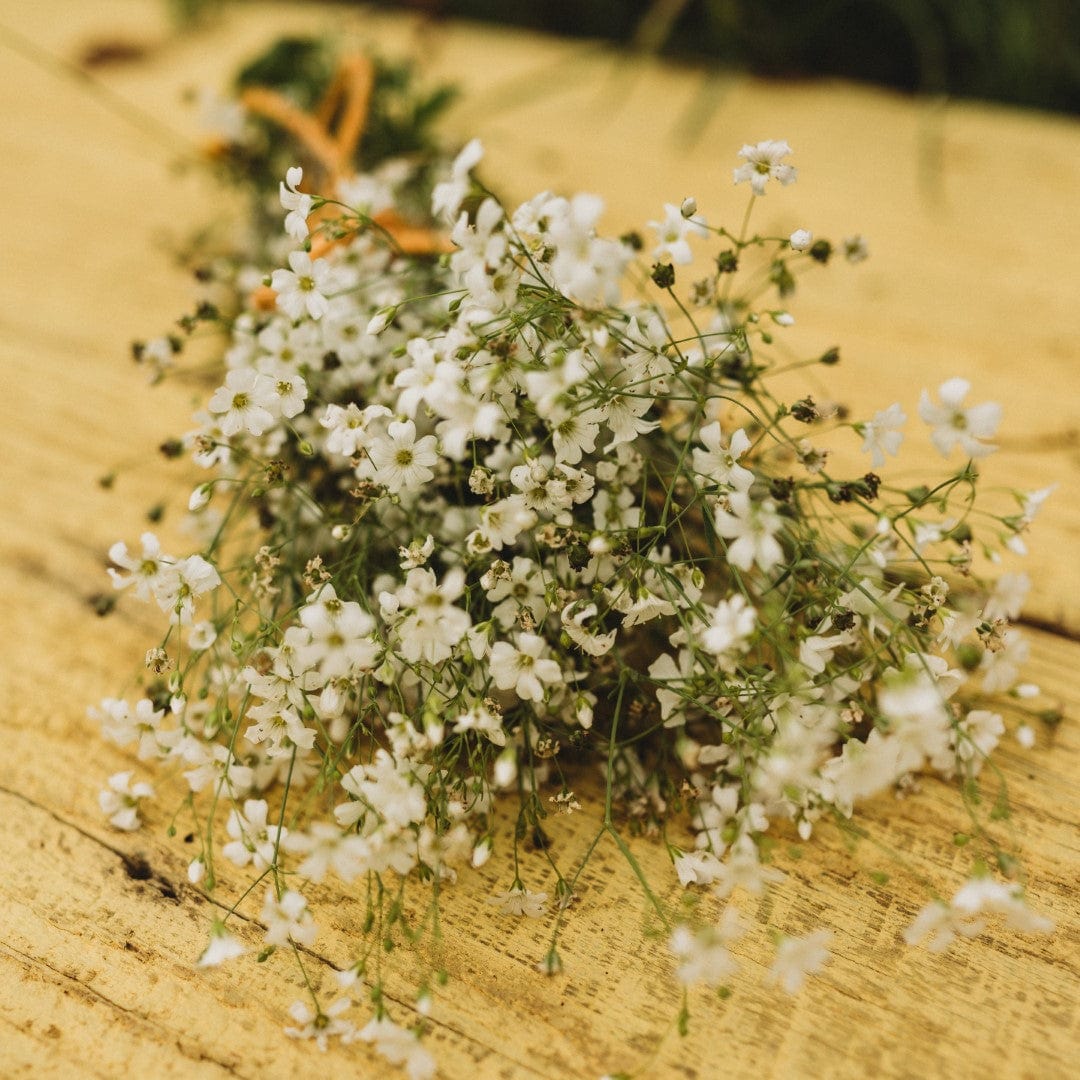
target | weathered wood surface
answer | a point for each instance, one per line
(973, 219)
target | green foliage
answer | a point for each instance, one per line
(1025, 52)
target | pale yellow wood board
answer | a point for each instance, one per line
(974, 223)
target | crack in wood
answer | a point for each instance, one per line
(137, 867)
(35, 964)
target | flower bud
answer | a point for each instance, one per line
(380, 321)
(801, 239)
(200, 497)
(481, 853)
(506, 767)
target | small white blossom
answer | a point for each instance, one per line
(718, 462)
(742, 868)
(402, 461)
(697, 867)
(244, 402)
(303, 288)
(222, 946)
(953, 425)
(296, 202)
(522, 668)
(321, 1026)
(751, 527)
(447, 196)
(798, 957)
(882, 434)
(253, 840)
(399, 1046)
(1025, 736)
(764, 162)
(705, 954)
(938, 923)
(288, 919)
(731, 625)
(673, 232)
(119, 802)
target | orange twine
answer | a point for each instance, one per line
(349, 100)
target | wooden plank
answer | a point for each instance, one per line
(96, 968)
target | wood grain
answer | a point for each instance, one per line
(975, 228)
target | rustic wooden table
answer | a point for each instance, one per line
(974, 222)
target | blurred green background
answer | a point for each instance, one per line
(1024, 52)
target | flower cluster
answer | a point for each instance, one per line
(477, 508)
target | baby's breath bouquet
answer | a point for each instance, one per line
(488, 495)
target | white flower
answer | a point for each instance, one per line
(334, 636)
(321, 1026)
(484, 720)
(121, 727)
(433, 625)
(287, 391)
(520, 901)
(575, 617)
(1000, 669)
(697, 867)
(817, 650)
(514, 590)
(982, 731)
(502, 522)
(402, 461)
(956, 426)
(798, 957)
(882, 434)
(303, 289)
(719, 463)
(673, 231)
(730, 627)
(388, 787)
(327, 848)
(287, 919)
(417, 553)
(145, 572)
(253, 840)
(1025, 736)
(705, 954)
(447, 196)
(1030, 505)
(244, 402)
(222, 946)
(379, 321)
(348, 427)
(743, 869)
(863, 769)
(119, 802)
(522, 668)
(764, 162)
(938, 923)
(190, 578)
(297, 203)
(399, 1046)
(751, 527)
